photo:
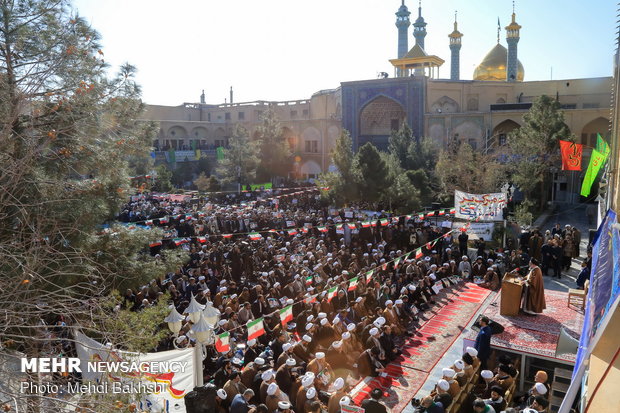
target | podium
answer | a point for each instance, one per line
(511, 296)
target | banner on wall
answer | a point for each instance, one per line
(477, 230)
(487, 207)
(159, 381)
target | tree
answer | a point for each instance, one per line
(400, 195)
(399, 144)
(207, 184)
(163, 181)
(342, 183)
(422, 183)
(467, 170)
(372, 173)
(183, 173)
(275, 153)
(240, 159)
(533, 149)
(68, 132)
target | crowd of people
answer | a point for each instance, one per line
(384, 270)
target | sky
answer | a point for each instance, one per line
(290, 49)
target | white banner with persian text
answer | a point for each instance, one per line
(477, 230)
(161, 380)
(487, 207)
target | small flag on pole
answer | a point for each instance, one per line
(353, 284)
(286, 315)
(351, 225)
(292, 232)
(366, 224)
(222, 344)
(452, 211)
(420, 216)
(226, 235)
(369, 276)
(255, 236)
(442, 212)
(322, 229)
(155, 244)
(384, 222)
(202, 240)
(418, 253)
(309, 280)
(331, 293)
(255, 328)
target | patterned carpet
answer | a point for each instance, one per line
(537, 335)
(421, 352)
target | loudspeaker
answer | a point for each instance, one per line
(566, 344)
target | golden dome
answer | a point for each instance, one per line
(493, 66)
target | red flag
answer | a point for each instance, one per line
(571, 155)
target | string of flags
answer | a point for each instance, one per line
(255, 328)
(256, 235)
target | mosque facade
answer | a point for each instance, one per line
(480, 112)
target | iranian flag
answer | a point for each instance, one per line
(322, 229)
(255, 328)
(286, 315)
(365, 224)
(396, 262)
(255, 236)
(226, 235)
(418, 253)
(430, 214)
(353, 284)
(369, 276)
(383, 222)
(442, 212)
(421, 216)
(178, 241)
(155, 244)
(384, 267)
(311, 299)
(309, 280)
(304, 230)
(395, 220)
(331, 293)
(188, 217)
(292, 232)
(408, 217)
(148, 222)
(163, 220)
(177, 216)
(351, 409)
(202, 240)
(339, 229)
(222, 343)
(452, 211)
(351, 225)
(273, 231)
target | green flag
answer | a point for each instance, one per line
(172, 155)
(597, 160)
(219, 153)
(602, 146)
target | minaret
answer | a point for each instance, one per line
(403, 23)
(455, 48)
(419, 27)
(512, 38)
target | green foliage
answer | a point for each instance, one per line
(163, 181)
(534, 147)
(523, 213)
(399, 144)
(372, 172)
(207, 184)
(183, 173)
(342, 184)
(467, 170)
(240, 159)
(422, 183)
(137, 331)
(275, 154)
(125, 260)
(400, 195)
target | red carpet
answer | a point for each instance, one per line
(537, 335)
(421, 352)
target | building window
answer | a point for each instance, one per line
(293, 113)
(227, 116)
(306, 112)
(502, 139)
(241, 115)
(312, 146)
(394, 124)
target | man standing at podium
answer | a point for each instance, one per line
(534, 290)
